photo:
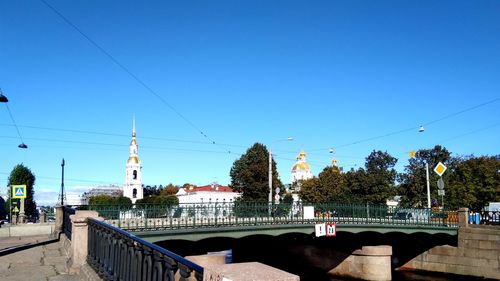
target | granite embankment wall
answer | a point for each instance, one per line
(477, 254)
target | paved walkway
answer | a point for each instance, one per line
(38, 263)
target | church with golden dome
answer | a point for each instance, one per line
(301, 170)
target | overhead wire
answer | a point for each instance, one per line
(411, 128)
(15, 125)
(123, 145)
(133, 75)
(118, 135)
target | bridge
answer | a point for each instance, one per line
(114, 243)
(235, 220)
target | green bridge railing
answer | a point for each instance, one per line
(140, 217)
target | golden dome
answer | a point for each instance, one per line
(133, 142)
(133, 159)
(303, 166)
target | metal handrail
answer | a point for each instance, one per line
(196, 215)
(113, 253)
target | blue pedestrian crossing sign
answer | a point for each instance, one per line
(18, 191)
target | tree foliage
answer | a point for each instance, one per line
(249, 174)
(475, 181)
(170, 189)
(380, 177)
(329, 186)
(151, 190)
(106, 200)
(413, 183)
(169, 200)
(22, 175)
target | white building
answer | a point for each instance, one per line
(110, 190)
(214, 193)
(301, 170)
(133, 177)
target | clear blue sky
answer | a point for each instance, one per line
(327, 73)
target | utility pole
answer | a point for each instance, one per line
(428, 185)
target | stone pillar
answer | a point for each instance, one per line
(463, 217)
(58, 227)
(369, 263)
(21, 212)
(79, 239)
(43, 216)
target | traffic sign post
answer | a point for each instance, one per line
(441, 192)
(440, 169)
(19, 192)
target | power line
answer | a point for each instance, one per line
(412, 128)
(122, 145)
(131, 74)
(118, 135)
(461, 111)
(15, 125)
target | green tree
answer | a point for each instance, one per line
(380, 183)
(101, 200)
(151, 190)
(329, 186)
(170, 189)
(474, 182)
(310, 191)
(22, 175)
(106, 200)
(249, 174)
(170, 200)
(413, 186)
(356, 181)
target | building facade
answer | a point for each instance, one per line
(213, 193)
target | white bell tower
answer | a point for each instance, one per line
(133, 177)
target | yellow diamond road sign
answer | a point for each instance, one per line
(440, 169)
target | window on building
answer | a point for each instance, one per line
(134, 175)
(134, 192)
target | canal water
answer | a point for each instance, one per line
(311, 258)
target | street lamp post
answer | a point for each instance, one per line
(270, 177)
(62, 182)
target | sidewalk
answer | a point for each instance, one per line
(41, 262)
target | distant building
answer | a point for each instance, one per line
(73, 199)
(133, 176)
(213, 193)
(301, 170)
(110, 190)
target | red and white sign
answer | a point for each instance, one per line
(331, 229)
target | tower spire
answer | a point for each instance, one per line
(133, 125)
